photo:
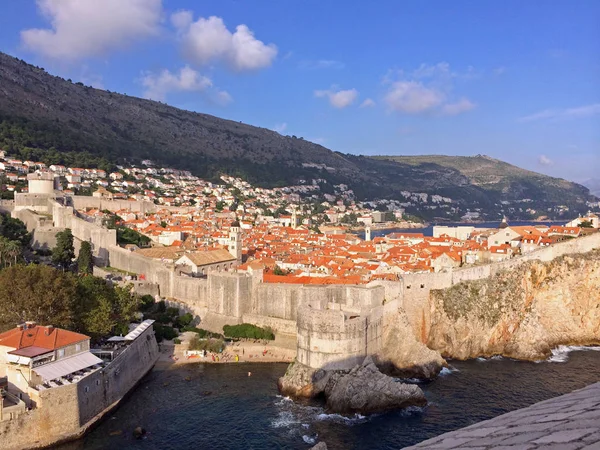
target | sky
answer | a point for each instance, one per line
(518, 81)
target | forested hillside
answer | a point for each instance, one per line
(43, 117)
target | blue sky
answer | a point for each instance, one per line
(519, 81)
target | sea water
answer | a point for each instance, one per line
(218, 406)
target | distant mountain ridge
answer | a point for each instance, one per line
(593, 185)
(46, 117)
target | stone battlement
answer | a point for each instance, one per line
(348, 316)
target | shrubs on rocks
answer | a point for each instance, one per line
(210, 345)
(248, 331)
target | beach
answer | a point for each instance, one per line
(282, 349)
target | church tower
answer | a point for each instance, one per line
(235, 241)
(294, 219)
(367, 233)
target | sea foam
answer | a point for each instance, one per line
(448, 370)
(560, 354)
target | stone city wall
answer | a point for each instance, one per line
(231, 297)
(143, 207)
(334, 340)
(66, 412)
(7, 206)
(416, 287)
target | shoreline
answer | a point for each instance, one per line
(173, 355)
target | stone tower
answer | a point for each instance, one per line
(235, 241)
(367, 233)
(294, 219)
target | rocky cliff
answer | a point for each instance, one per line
(402, 354)
(521, 313)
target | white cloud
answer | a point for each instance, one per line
(81, 29)
(368, 103)
(459, 107)
(430, 71)
(339, 99)
(158, 85)
(428, 89)
(499, 70)
(567, 113)
(322, 64)
(208, 40)
(222, 98)
(413, 97)
(545, 161)
(182, 19)
(280, 127)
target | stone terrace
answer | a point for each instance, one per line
(571, 421)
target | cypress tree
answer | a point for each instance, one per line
(85, 261)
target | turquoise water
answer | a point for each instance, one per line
(220, 407)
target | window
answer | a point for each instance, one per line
(408, 287)
(422, 286)
(60, 353)
(87, 389)
(77, 347)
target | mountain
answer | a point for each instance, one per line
(500, 179)
(47, 118)
(593, 185)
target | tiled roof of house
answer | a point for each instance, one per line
(210, 257)
(40, 336)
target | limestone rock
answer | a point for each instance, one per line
(402, 355)
(319, 446)
(303, 381)
(366, 390)
(521, 312)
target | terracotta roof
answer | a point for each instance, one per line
(209, 257)
(40, 336)
(160, 252)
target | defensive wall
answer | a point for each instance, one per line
(350, 313)
(143, 207)
(66, 412)
(7, 206)
(337, 336)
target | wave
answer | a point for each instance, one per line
(413, 410)
(493, 358)
(285, 419)
(560, 354)
(338, 418)
(309, 439)
(448, 370)
(410, 380)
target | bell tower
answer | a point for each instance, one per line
(235, 241)
(367, 233)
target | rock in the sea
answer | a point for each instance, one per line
(366, 390)
(303, 381)
(404, 356)
(319, 446)
(139, 432)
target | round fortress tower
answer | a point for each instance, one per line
(41, 183)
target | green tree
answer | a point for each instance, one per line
(14, 230)
(37, 292)
(64, 252)
(586, 224)
(279, 271)
(10, 251)
(85, 260)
